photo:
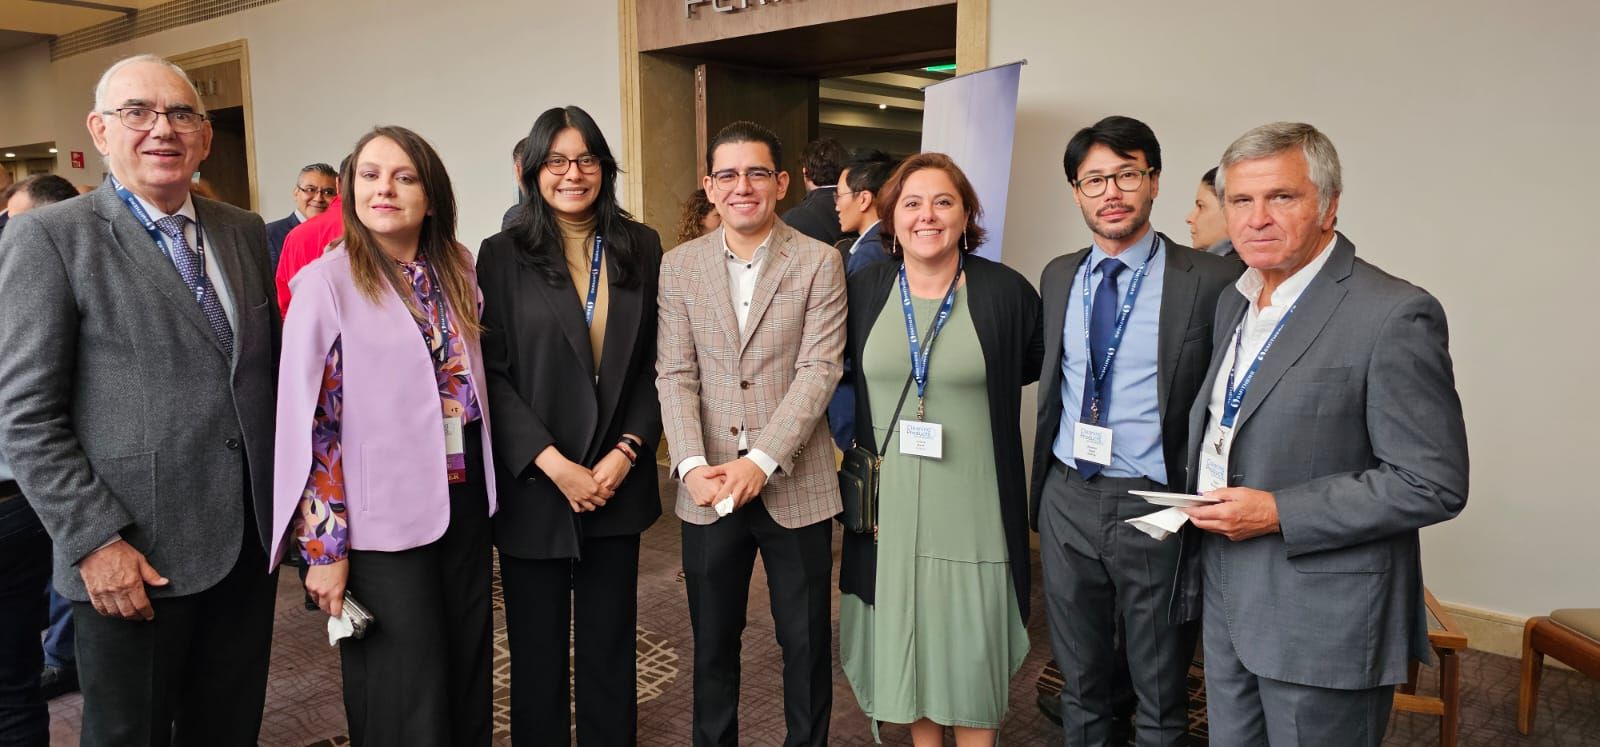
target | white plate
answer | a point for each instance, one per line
(1180, 500)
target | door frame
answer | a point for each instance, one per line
(972, 54)
(236, 50)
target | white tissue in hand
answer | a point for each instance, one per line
(1161, 524)
(339, 627)
(724, 507)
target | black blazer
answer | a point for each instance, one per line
(1006, 312)
(277, 231)
(815, 216)
(1188, 302)
(542, 392)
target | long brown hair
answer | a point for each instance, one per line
(372, 269)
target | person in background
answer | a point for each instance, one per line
(6, 185)
(1208, 229)
(572, 287)
(698, 219)
(856, 201)
(308, 241)
(384, 474)
(934, 603)
(314, 189)
(522, 194)
(37, 191)
(819, 167)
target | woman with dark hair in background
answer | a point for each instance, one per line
(383, 474)
(934, 604)
(569, 305)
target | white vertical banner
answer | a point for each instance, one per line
(973, 119)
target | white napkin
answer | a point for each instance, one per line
(339, 627)
(724, 507)
(1161, 524)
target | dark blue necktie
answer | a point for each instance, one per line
(1102, 323)
(191, 265)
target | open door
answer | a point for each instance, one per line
(785, 104)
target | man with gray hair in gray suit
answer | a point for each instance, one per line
(1330, 432)
(138, 351)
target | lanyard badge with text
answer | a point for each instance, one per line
(1091, 441)
(202, 286)
(455, 445)
(1214, 460)
(918, 437)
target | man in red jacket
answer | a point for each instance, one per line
(305, 243)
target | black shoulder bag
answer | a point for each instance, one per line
(858, 478)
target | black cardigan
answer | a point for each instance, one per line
(1009, 319)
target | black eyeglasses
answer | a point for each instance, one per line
(328, 192)
(588, 163)
(1127, 180)
(141, 119)
(758, 176)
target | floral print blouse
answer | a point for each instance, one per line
(324, 531)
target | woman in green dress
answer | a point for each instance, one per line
(932, 618)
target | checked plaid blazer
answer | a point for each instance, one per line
(776, 378)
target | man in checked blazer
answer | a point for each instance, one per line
(138, 358)
(749, 349)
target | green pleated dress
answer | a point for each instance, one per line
(945, 635)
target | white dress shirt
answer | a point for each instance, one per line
(219, 282)
(1253, 332)
(742, 276)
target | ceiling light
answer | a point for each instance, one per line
(53, 150)
(950, 68)
(883, 106)
(11, 155)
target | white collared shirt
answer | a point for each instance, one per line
(742, 277)
(219, 282)
(1253, 332)
(299, 217)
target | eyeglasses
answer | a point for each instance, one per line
(588, 163)
(140, 119)
(728, 178)
(328, 192)
(1127, 180)
(841, 194)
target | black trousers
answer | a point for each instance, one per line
(194, 675)
(596, 599)
(422, 674)
(24, 574)
(1101, 575)
(718, 559)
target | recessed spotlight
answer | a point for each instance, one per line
(883, 106)
(11, 155)
(53, 150)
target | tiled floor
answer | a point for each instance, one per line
(304, 706)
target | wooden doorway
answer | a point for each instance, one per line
(222, 76)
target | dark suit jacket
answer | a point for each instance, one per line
(1353, 423)
(815, 216)
(1194, 280)
(1006, 312)
(119, 411)
(276, 232)
(541, 371)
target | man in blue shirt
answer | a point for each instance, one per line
(1128, 339)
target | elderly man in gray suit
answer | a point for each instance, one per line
(137, 363)
(1330, 429)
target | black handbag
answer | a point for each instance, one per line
(858, 478)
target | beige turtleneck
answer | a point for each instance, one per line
(577, 243)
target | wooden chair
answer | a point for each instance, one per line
(1446, 638)
(1572, 637)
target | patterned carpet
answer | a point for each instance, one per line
(304, 706)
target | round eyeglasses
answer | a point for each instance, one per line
(1127, 180)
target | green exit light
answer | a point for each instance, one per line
(950, 68)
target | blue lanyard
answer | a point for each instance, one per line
(1098, 377)
(204, 283)
(919, 357)
(594, 283)
(1235, 398)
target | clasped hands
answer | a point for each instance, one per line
(1244, 513)
(585, 489)
(742, 479)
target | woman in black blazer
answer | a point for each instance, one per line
(569, 346)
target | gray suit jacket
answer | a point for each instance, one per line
(1354, 425)
(119, 411)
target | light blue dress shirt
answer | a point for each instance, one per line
(1133, 413)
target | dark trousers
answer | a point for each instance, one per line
(422, 673)
(1097, 569)
(718, 559)
(60, 643)
(196, 674)
(595, 598)
(24, 572)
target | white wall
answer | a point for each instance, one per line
(1466, 133)
(469, 76)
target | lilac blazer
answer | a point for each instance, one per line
(391, 434)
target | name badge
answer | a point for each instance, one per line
(455, 450)
(923, 439)
(1213, 471)
(1091, 443)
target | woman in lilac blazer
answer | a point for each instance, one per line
(384, 481)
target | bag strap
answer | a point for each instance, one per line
(895, 417)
